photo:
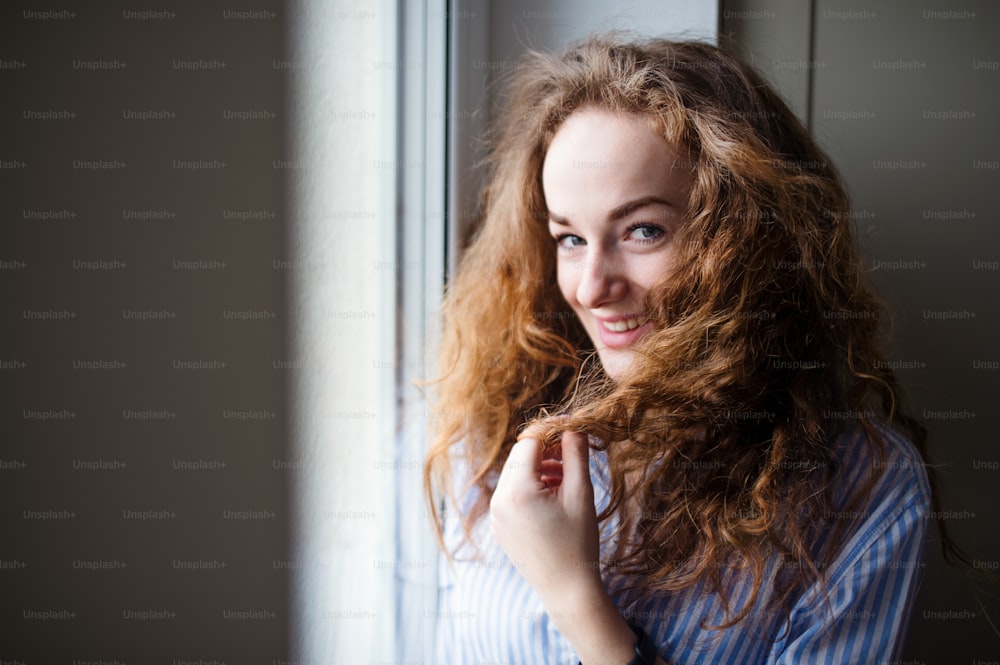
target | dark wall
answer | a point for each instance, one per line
(144, 513)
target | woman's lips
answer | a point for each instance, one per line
(619, 333)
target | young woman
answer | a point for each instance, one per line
(664, 431)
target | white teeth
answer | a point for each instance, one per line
(623, 325)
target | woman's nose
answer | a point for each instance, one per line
(601, 281)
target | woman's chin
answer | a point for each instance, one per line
(616, 362)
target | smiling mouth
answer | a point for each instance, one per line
(623, 325)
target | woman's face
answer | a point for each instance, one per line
(615, 196)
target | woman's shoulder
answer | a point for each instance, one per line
(882, 457)
(881, 490)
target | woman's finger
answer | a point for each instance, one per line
(576, 463)
(523, 468)
(552, 473)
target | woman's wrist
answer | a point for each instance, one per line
(591, 622)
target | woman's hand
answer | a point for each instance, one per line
(543, 516)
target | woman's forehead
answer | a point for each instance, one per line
(602, 158)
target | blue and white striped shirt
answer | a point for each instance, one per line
(488, 614)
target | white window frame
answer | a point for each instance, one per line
(425, 243)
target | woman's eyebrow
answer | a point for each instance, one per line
(619, 212)
(629, 207)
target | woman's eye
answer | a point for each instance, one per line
(645, 232)
(568, 241)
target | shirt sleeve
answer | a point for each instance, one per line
(864, 615)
